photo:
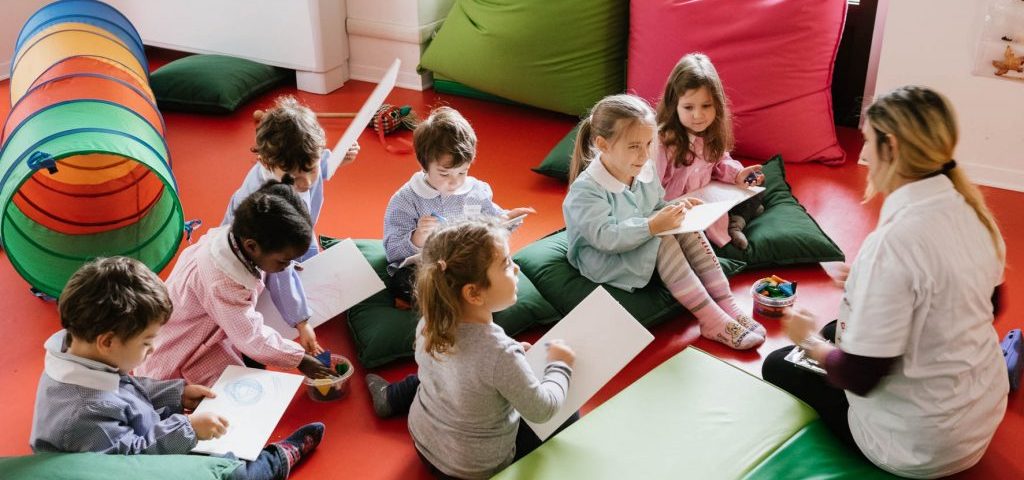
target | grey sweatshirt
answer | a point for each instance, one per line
(466, 412)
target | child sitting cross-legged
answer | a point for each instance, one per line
(111, 310)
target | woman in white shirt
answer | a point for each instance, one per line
(916, 380)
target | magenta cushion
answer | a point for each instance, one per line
(775, 58)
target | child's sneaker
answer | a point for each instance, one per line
(379, 394)
(301, 443)
(1013, 353)
(752, 325)
(733, 334)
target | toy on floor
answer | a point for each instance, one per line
(333, 388)
(772, 295)
(1013, 352)
(386, 120)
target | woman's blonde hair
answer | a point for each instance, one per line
(924, 125)
(610, 118)
(693, 72)
(454, 256)
(289, 137)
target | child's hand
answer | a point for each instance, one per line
(798, 323)
(525, 345)
(312, 368)
(194, 394)
(350, 155)
(742, 179)
(560, 352)
(517, 212)
(424, 227)
(208, 425)
(307, 338)
(690, 202)
(667, 218)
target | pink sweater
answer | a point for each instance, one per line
(679, 181)
(215, 319)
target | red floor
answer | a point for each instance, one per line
(210, 155)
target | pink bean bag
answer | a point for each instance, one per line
(775, 58)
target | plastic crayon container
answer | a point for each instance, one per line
(333, 388)
(766, 304)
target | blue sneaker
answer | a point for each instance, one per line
(1013, 353)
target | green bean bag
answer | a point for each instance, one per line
(545, 263)
(383, 333)
(558, 55)
(98, 466)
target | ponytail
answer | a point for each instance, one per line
(582, 151)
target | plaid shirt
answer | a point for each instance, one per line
(417, 199)
(215, 319)
(87, 406)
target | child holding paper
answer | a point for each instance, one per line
(695, 132)
(615, 210)
(474, 381)
(215, 286)
(111, 310)
(290, 142)
(441, 191)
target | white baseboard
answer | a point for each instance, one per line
(1004, 178)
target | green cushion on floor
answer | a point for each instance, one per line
(815, 453)
(443, 84)
(556, 164)
(212, 83)
(544, 261)
(98, 466)
(693, 416)
(383, 333)
(557, 55)
(785, 234)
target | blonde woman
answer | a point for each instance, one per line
(915, 379)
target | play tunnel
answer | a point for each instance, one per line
(84, 169)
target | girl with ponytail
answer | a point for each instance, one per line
(915, 377)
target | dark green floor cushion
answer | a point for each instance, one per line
(444, 84)
(383, 333)
(98, 466)
(212, 83)
(557, 55)
(556, 164)
(693, 416)
(815, 453)
(544, 261)
(785, 234)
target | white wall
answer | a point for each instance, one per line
(14, 16)
(932, 43)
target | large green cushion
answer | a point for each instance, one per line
(212, 83)
(785, 234)
(383, 333)
(545, 262)
(815, 453)
(693, 416)
(557, 55)
(98, 466)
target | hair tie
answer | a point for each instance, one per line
(442, 265)
(951, 164)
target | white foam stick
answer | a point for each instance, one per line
(363, 117)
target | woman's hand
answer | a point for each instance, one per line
(798, 324)
(667, 218)
(307, 338)
(838, 272)
(741, 178)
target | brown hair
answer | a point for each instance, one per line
(289, 137)
(924, 125)
(611, 117)
(115, 294)
(445, 131)
(693, 72)
(454, 256)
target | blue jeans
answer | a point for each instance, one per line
(270, 465)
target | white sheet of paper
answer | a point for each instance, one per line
(334, 281)
(252, 401)
(605, 338)
(718, 199)
(363, 117)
